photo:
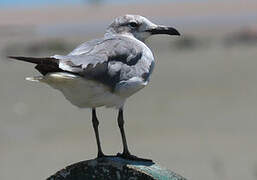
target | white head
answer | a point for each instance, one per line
(138, 26)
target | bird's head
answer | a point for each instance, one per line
(139, 27)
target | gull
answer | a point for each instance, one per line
(105, 71)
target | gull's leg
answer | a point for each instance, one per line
(95, 125)
(126, 154)
(123, 136)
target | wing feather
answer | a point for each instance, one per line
(105, 60)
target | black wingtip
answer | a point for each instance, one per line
(18, 57)
(35, 60)
(26, 59)
(11, 57)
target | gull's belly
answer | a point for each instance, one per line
(81, 92)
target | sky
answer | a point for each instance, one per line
(29, 3)
(24, 3)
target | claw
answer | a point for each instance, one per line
(128, 156)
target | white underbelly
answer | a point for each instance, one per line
(82, 92)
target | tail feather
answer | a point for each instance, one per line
(34, 79)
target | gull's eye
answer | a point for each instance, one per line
(133, 24)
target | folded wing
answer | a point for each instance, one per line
(106, 60)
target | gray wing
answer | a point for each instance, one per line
(106, 60)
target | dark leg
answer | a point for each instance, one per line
(123, 136)
(126, 154)
(95, 125)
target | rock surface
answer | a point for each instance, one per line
(112, 168)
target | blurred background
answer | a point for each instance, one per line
(197, 117)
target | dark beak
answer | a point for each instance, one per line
(164, 30)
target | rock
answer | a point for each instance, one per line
(112, 168)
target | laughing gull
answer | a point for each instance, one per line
(105, 71)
